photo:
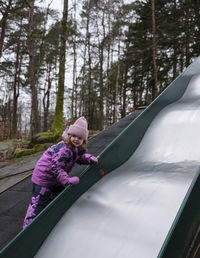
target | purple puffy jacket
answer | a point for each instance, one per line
(55, 164)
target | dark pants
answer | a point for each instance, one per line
(41, 197)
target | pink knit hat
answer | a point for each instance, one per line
(79, 128)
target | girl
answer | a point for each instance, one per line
(51, 173)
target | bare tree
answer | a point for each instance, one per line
(35, 123)
(117, 84)
(16, 89)
(155, 85)
(74, 82)
(101, 46)
(58, 119)
(46, 98)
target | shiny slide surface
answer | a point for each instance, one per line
(128, 213)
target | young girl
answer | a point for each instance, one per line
(50, 175)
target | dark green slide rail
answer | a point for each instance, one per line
(180, 241)
(28, 241)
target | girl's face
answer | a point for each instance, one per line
(76, 141)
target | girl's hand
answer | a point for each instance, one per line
(93, 159)
(74, 180)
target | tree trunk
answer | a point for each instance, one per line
(124, 91)
(46, 99)
(187, 42)
(89, 81)
(155, 76)
(82, 105)
(3, 25)
(15, 92)
(74, 83)
(101, 59)
(175, 45)
(58, 119)
(16, 84)
(117, 82)
(107, 97)
(35, 124)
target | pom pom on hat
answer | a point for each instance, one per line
(64, 134)
(79, 128)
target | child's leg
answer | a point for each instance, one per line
(41, 197)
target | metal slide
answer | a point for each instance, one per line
(129, 212)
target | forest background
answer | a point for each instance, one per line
(100, 58)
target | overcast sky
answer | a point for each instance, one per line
(55, 4)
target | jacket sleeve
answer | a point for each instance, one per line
(84, 159)
(59, 162)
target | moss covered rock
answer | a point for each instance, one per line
(37, 148)
(39, 143)
(24, 152)
(44, 137)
